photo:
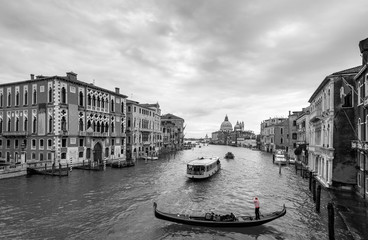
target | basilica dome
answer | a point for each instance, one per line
(237, 127)
(226, 125)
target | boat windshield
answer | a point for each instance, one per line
(195, 169)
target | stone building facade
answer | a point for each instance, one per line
(143, 130)
(331, 110)
(172, 128)
(60, 119)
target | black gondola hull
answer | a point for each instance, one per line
(242, 221)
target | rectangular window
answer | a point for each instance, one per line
(16, 144)
(49, 156)
(63, 142)
(63, 155)
(41, 144)
(33, 144)
(81, 144)
(33, 156)
(80, 154)
(8, 143)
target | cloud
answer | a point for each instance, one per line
(200, 60)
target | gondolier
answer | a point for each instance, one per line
(256, 207)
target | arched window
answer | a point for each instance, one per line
(89, 124)
(9, 99)
(34, 96)
(63, 95)
(281, 140)
(25, 127)
(1, 99)
(9, 124)
(122, 127)
(89, 100)
(63, 124)
(102, 127)
(17, 99)
(112, 105)
(17, 124)
(98, 127)
(93, 101)
(106, 127)
(50, 94)
(102, 103)
(81, 125)
(25, 97)
(98, 102)
(94, 126)
(50, 124)
(81, 99)
(112, 127)
(34, 125)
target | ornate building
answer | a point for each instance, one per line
(143, 129)
(229, 136)
(60, 119)
(172, 132)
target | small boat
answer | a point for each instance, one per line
(203, 167)
(279, 157)
(212, 220)
(229, 155)
(122, 164)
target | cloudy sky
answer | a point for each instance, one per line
(199, 59)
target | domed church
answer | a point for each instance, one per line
(226, 126)
(229, 136)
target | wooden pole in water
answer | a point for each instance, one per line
(331, 220)
(279, 168)
(314, 190)
(318, 200)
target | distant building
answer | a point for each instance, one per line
(236, 137)
(292, 135)
(172, 128)
(302, 126)
(143, 129)
(60, 119)
(274, 134)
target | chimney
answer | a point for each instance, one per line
(117, 90)
(71, 76)
(363, 46)
(32, 76)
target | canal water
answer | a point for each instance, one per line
(117, 203)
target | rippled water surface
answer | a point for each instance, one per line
(117, 203)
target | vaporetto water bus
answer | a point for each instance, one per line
(203, 167)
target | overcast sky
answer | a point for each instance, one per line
(199, 59)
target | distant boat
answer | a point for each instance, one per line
(203, 167)
(229, 155)
(212, 220)
(279, 157)
(122, 164)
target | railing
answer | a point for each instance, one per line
(361, 145)
(315, 115)
(15, 133)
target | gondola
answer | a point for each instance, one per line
(229, 155)
(211, 220)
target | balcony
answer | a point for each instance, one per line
(14, 133)
(316, 115)
(360, 145)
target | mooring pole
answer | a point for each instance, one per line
(318, 200)
(279, 168)
(331, 221)
(314, 190)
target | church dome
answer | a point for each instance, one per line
(226, 125)
(237, 126)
